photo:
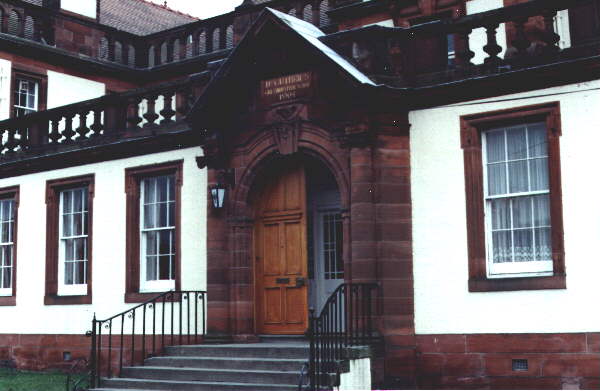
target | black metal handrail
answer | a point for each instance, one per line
(346, 320)
(172, 323)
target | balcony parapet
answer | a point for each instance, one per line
(403, 57)
(49, 26)
(109, 119)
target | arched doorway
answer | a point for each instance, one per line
(298, 241)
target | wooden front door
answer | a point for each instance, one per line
(280, 250)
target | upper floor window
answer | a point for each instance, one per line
(514, 199)
(8, 244)
(517, 201)
(26, 96)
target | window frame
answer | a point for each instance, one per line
(12, 193)
(133, 179)
(53, 191)
(472, 128)
(156, 285)
(75, 289)
(19, 71)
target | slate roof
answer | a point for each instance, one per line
(138, 16)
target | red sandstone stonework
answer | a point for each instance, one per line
(484, 361)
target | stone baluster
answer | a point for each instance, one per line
(551, 38)
(133, 113)
(150, 115)
(11, 143)
(167, 112)
(82, 130)
(68, 132)
(96, 127)
(492, 48)
(54, 131)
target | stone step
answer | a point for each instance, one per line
(263, 350)
(176, 385)
(254, 363)
(212, 375)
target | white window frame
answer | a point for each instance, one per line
(6, 292)
(71, 289)
(36, 97)
(155, 285)
(508, 269)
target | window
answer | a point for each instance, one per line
(69, 241)
(73, 242)
(153, 233)
(28, 90)
(517, 201)
(26, 96)
(157, 233)
(514, 202)
(332, 245)
(8, 245)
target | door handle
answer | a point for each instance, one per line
(300, 282)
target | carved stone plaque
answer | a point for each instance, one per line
(285, 88)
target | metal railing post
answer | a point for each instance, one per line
(93, 372)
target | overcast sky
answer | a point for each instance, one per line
(202, 8)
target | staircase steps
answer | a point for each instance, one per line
(273, 365)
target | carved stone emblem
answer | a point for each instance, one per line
(285, 136)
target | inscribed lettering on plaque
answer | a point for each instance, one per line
(285, 88)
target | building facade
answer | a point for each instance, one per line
(434, 148)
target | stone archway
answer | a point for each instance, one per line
(230, 242)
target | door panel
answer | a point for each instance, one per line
(280, 249)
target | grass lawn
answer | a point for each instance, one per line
(11, 380)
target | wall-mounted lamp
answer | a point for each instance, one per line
(217, 194)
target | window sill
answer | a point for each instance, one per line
(8, 301)
(517, 284)
(67, 300)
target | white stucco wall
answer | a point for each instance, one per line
(443, 303)
(66, 89)
(5, 74)
(478, 38)
(82, 7)
(359, 377)
(31, 316)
